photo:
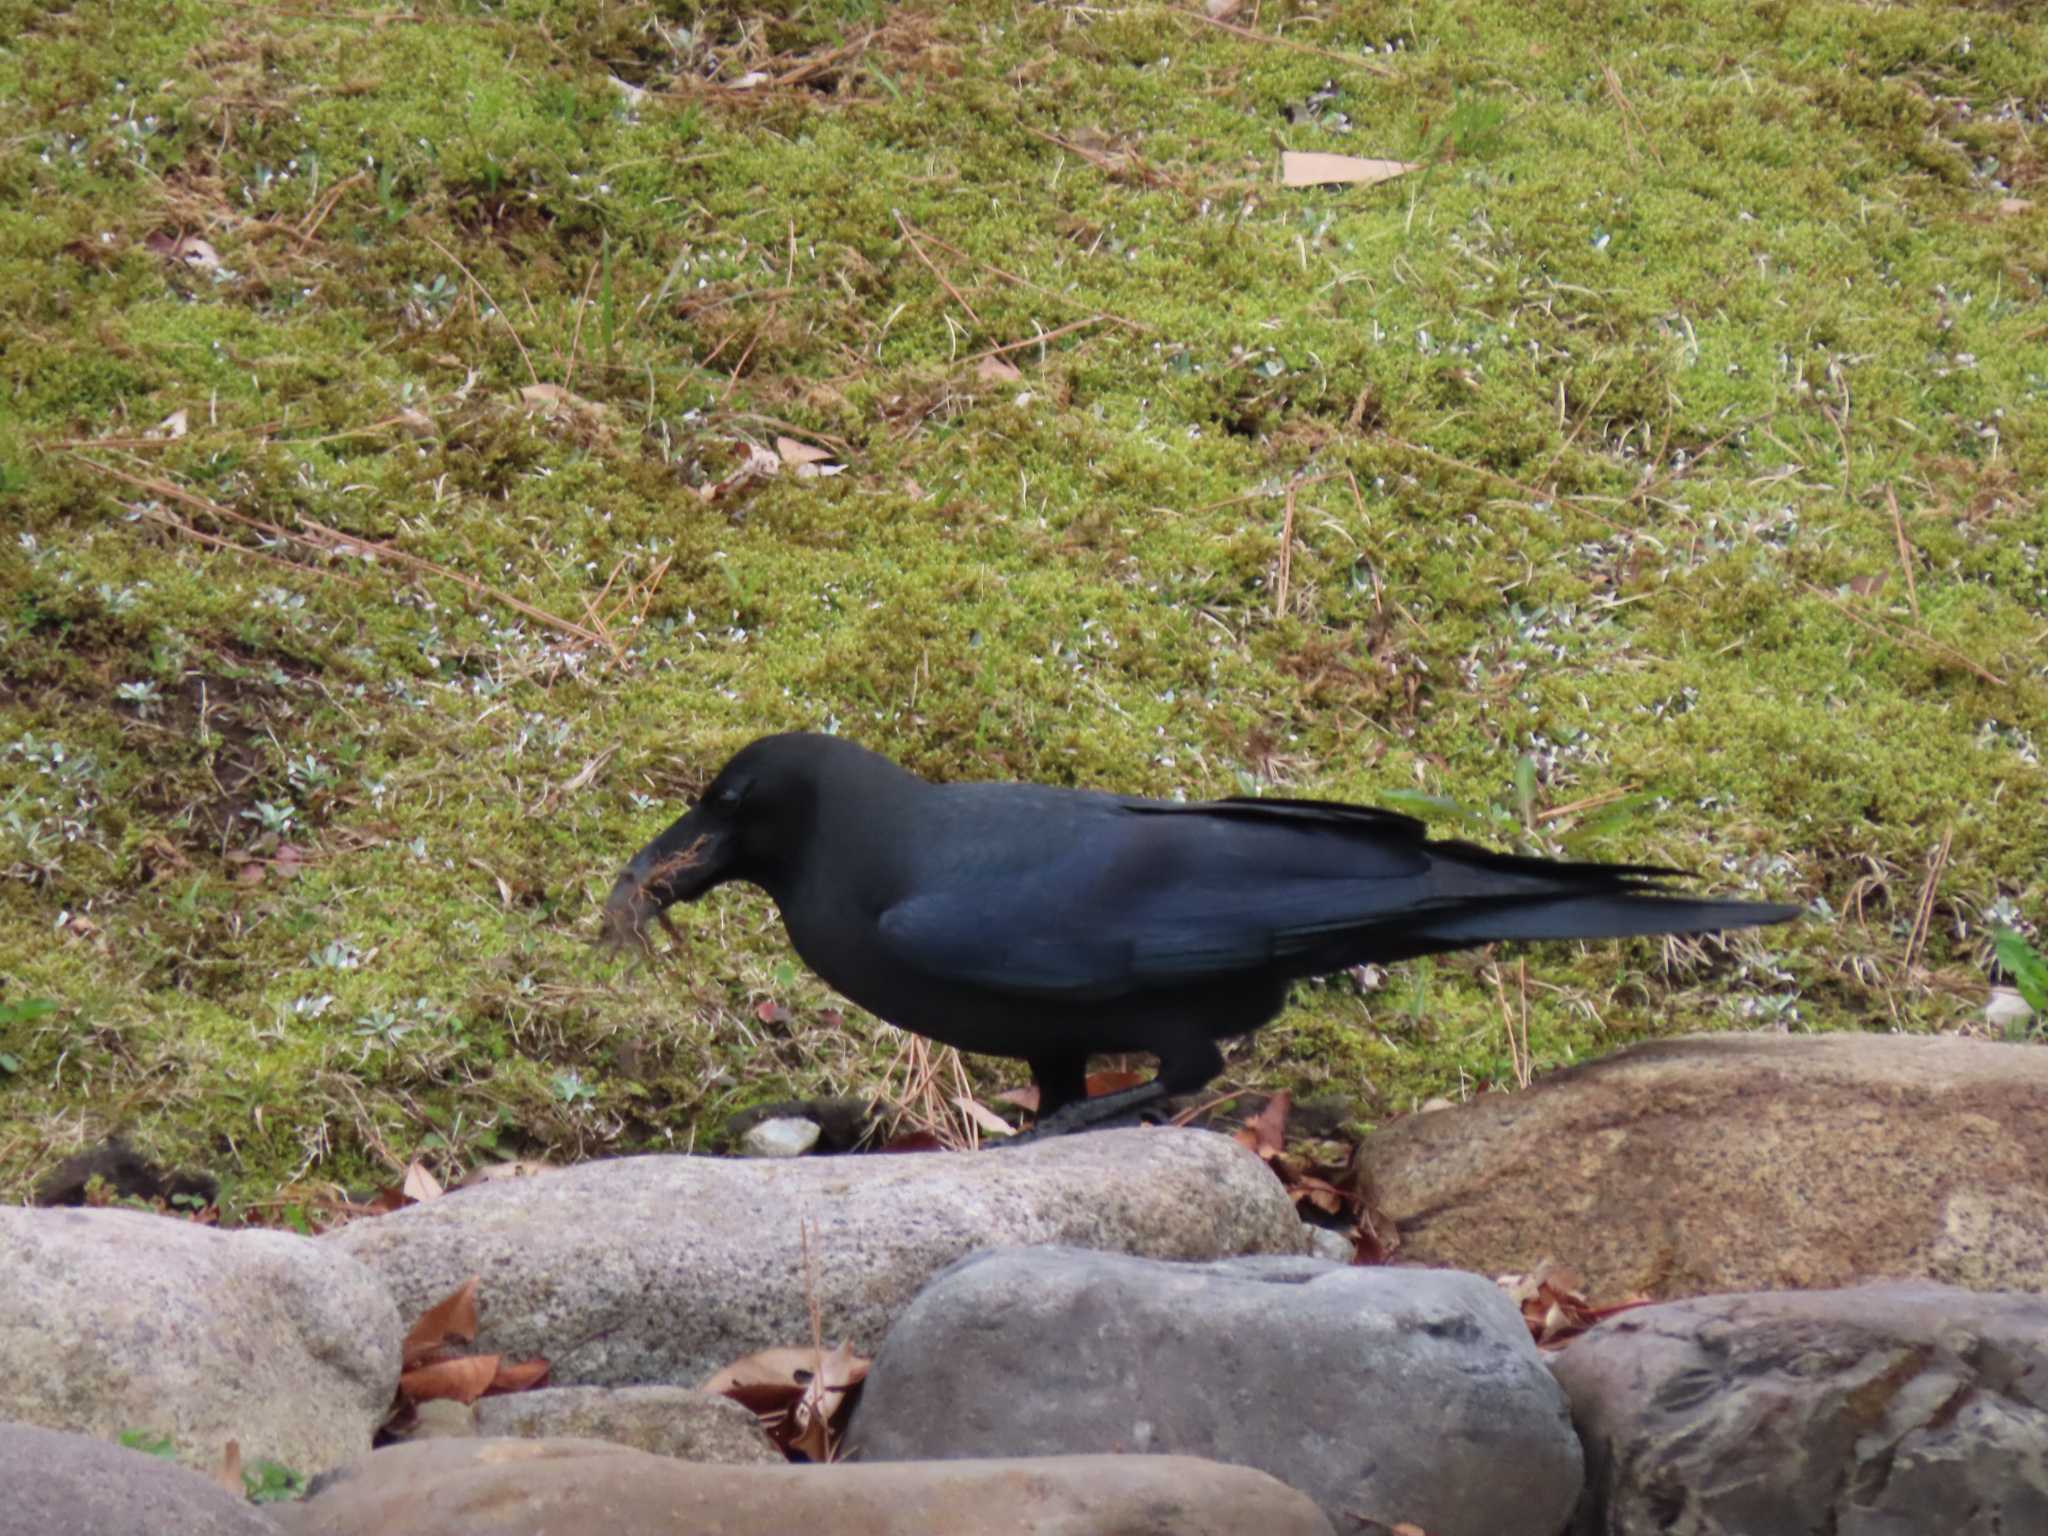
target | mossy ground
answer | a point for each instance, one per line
(1596, 428)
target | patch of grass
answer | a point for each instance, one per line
(338, 676)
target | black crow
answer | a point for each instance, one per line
(1049, 924)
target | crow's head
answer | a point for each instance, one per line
(751, 823)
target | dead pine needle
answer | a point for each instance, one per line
(1923, 912)
(917, 250)
(1286, 558)
(1891, 500)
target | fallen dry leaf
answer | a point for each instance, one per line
(991, 1123)
(518, 1376)
(452, 1317)
(1097, 1084)
(464, 1380)
(1554, 1308)
(190, 249)
(1306, 168)
(2012, 205)
(759, 464)
(793, 453)
(229, 1473)
(993, 370)
(172, 426)
(1266, 1132)
(795, 1392)
(558, 404)
(421, 1185)
(914, 1141)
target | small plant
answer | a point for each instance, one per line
(2024, 965)
(275, 819)
(271, 1482)
(570, 1088)
(150, 1444)
(23, 1012)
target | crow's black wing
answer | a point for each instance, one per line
(1152, 894)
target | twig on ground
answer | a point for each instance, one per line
(498, 308)
(917, 250)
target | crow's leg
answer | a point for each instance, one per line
(1061, 1081)
(1184, 1067)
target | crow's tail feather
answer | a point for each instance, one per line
(1608, 915)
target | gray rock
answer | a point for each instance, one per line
(1740, 1162)
(784, 1136)
(1334, 1247)
(440, 1418)
(119, 1320)
(1886, 1410)
(666, 1421)
(58, 1484)
(845, 1122)
(661, 1270)
(546, 1487)
(1385, 1395)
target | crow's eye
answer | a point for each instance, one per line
(731, 795)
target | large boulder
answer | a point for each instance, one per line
(545, 1487)
(661, 1270)
(1898, 1408)
(60, 1484)
(1740, 1162)
(1385, 1395)
(118, 1320)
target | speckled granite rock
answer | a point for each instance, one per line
(660, 1270)
(1741, 1162)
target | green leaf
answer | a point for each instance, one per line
(150, 1443)
(271, 1482)
(25, 1010)
(2023, 963)
(1525, 789)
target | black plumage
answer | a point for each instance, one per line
(1050, 924)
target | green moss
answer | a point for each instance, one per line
(1771, 239)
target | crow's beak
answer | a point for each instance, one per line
(680, 865)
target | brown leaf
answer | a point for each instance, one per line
(465, 1379)
(1266, 1132)
(1096, 1085)
(797, 1392)
(915, 1141)
(793, 453)
(229, 1473)
(2009, 206)
(189, 249)
(1221, 10)
(771, 1012)
(993, 370)
(1864, 586)
(519, 1375)
(1100, 1083)
(420, 1184)
(991, 1123)
(759, 464)
(1303, 168)
(452, 1317)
